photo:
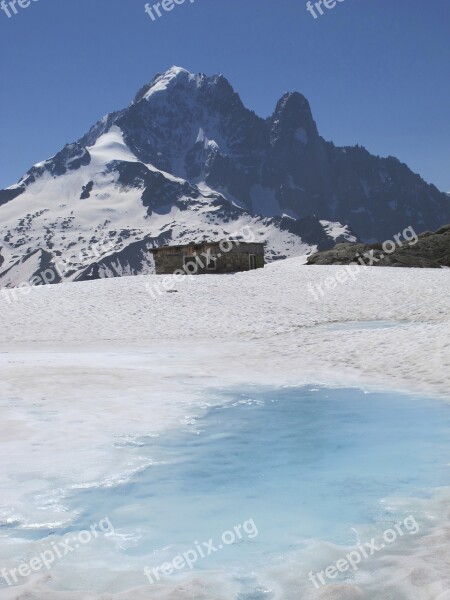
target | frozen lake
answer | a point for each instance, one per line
(292, 466)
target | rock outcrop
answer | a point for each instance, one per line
(428, 250)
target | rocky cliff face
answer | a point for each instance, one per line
(186, 160)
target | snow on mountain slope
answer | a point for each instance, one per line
(338, 232)
(187, 161)
(110, 146)
(106, 206)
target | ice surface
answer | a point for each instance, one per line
(85, 367)
(336, 461)
(334, 454)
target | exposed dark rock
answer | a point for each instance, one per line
(196, 127)
(87, 189)
(195, 161)
(428, 250)
(9, 194)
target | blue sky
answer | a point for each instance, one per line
(374, 71)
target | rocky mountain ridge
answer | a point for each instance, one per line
(186, 160)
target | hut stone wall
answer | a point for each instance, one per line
(227, 256)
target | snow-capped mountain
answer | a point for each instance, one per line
(187, 161)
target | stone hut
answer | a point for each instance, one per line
(226, 256)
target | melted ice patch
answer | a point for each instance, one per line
(316, 469)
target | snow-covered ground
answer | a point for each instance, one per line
(83, 364)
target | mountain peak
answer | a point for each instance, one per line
(164, 81)
(175, 71)
(293, 114)
(180, 79)
(187, 158)
(292, 105)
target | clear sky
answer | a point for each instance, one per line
(376, 72)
